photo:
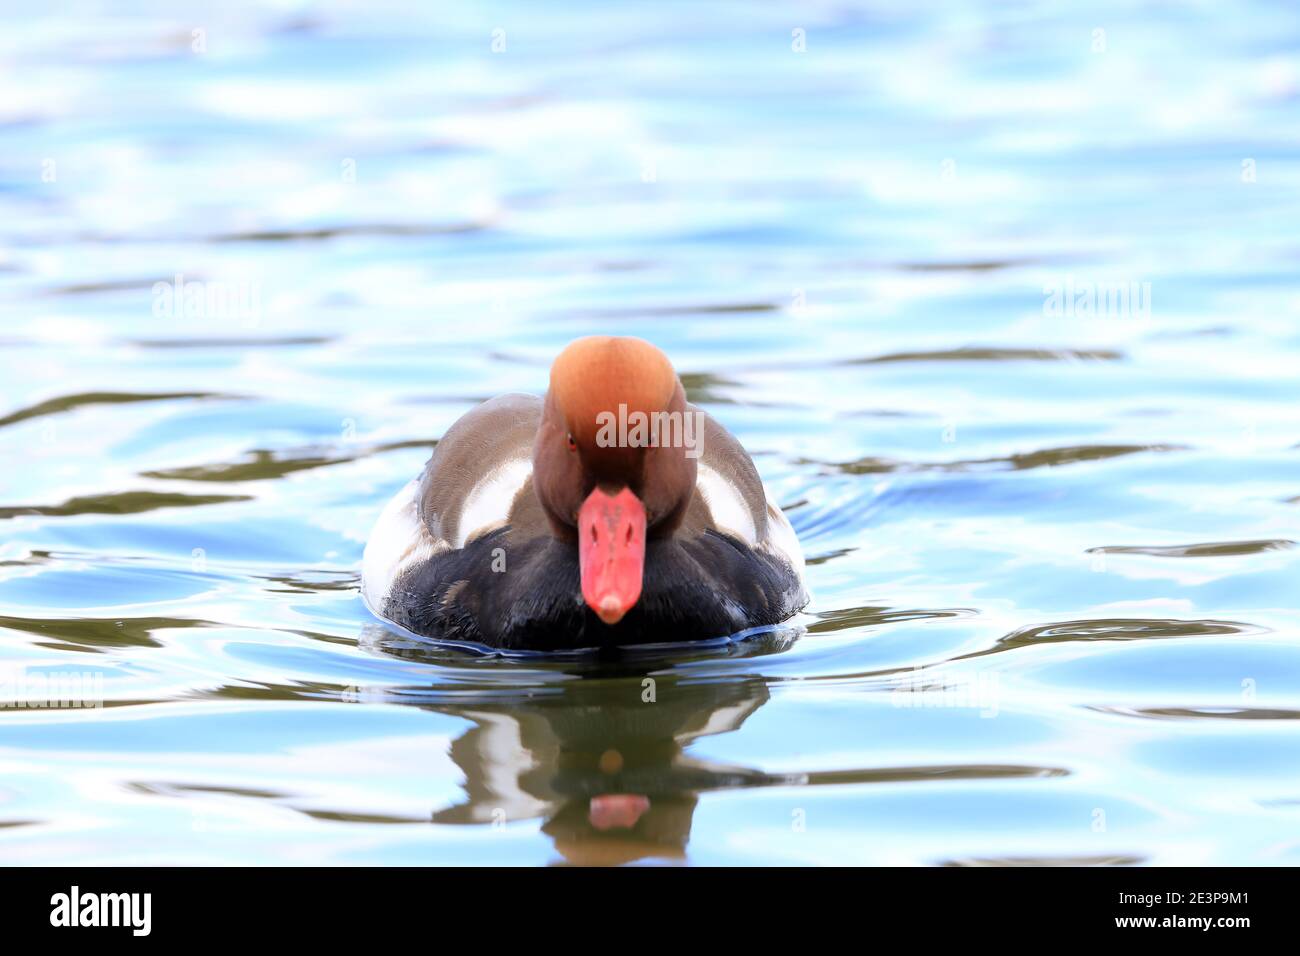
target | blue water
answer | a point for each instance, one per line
(1004, 300)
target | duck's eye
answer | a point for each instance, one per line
(568, 439)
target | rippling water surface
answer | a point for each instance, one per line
(1051, 529)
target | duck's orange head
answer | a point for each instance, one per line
(598, 475)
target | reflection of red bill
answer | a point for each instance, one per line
(617, 811)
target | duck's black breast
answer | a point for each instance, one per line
(510, 591)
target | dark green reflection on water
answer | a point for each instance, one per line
(119, 503)
(96, 634)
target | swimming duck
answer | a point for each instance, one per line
(611, 512)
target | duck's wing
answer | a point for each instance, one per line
(480, 469)
(478, 478)
(730, 499)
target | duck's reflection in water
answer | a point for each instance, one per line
(599, 752)
(605, 768)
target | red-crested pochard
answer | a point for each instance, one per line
(612, 512)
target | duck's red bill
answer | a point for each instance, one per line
(611, 552)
